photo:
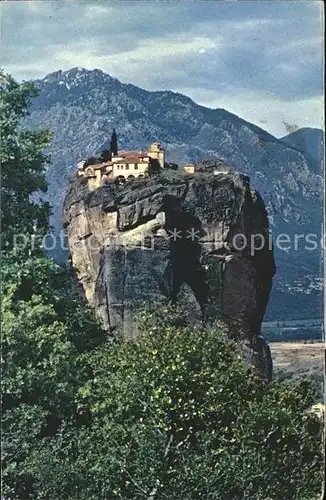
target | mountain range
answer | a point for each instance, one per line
(81, 108)
(309, 141)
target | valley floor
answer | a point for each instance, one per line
(298, 358)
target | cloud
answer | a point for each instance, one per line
(266, 112)
(265, 52)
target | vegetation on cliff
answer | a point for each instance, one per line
(174, 414)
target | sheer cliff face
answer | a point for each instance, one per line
(146, 240)
(81, 107)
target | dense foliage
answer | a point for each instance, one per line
(173, 414)
(45, 329)
(22, 164)
(45, 335)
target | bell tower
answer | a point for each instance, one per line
(156, 152)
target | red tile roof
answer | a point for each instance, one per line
(134, 154)
(127, 161)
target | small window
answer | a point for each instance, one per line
(127, 167)
(136, 166)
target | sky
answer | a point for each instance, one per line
(262, 60)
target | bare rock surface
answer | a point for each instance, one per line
(157, 237)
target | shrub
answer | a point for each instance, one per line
(177, 414)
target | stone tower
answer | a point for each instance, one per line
(155, 151)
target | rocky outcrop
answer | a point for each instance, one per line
(149, 239)
(80, 107)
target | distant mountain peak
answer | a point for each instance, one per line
(76, 69)
(304, 131)
(310, 141)
(53, 75)
(77, 75)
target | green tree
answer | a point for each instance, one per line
(177, 414)
(22, 164)
(106, 155)
(171, 166)
(46, 335)
(154, 167)
(46, 330)
(114, 143)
